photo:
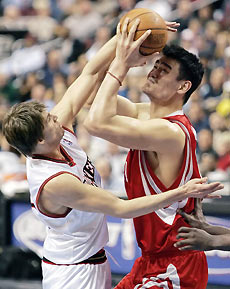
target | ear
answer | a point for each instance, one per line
(41, 141)
(184, 87)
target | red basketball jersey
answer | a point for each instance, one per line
(156, 232)
(161, 264)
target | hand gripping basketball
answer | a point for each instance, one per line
(149, 20)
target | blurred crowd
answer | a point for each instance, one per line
(44, 45)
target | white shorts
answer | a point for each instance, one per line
(83, 276)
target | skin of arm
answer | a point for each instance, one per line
(201, 236)
(124, 106)
(127, 130)
(74, 194)
(198, 239)
(85, 85)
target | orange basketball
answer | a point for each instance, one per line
(149, 19)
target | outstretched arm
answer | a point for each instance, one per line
(74, 194)
(201, 236)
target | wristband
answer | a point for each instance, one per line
(114, 76)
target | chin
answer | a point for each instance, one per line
(62, 132)
(145, 89)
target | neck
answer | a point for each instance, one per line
(55, 154)
(159, 111)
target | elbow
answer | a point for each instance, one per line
(89, 125)
(92, 126)
(121, 210)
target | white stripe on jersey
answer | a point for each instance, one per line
(167, 214)
(189, 162)
(146, 189)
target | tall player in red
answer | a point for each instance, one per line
(161, 157)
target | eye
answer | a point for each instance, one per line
(48, 118)
(164, 71)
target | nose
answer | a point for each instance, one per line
(155, 73)
(55, 118)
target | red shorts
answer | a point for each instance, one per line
(186, 271)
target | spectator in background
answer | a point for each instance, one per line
(53, 65)
(184, 14)
(197, 116)
(205, 14)
(205, 143)
(43, 20)
(224, 152)
(215, 85)
(103, 34)
(187, 41)
(207, 163)
(125, 6)
(83, 21)
(226, 61)
(218, 125)
(59, 87)
(27, 82)
(39, 93)
(12, 169)
(28, 57)
(8, 90)
(23, 5)
(12, 18)
(195, 26)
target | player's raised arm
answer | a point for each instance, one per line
(104, 120)
(85, 85)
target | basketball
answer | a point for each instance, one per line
(149, 19)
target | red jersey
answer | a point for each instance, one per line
(156, 232)
(161, 264)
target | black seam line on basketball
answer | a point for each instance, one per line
(155, 47)
(151, 29)
(140, 15)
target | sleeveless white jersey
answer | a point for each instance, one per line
(76, 235)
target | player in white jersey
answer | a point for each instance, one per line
(64, 185)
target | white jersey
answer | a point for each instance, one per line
(76, 235)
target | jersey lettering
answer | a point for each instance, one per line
(89, 173)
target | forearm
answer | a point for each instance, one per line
(102, 59)
(97, 84)
(104, 106)
(215, 230)
(87, 84)
(219, 242)
(148, 204)
(74, 194)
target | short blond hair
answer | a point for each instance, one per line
(23, 126)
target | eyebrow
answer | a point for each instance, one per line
(164, 63)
